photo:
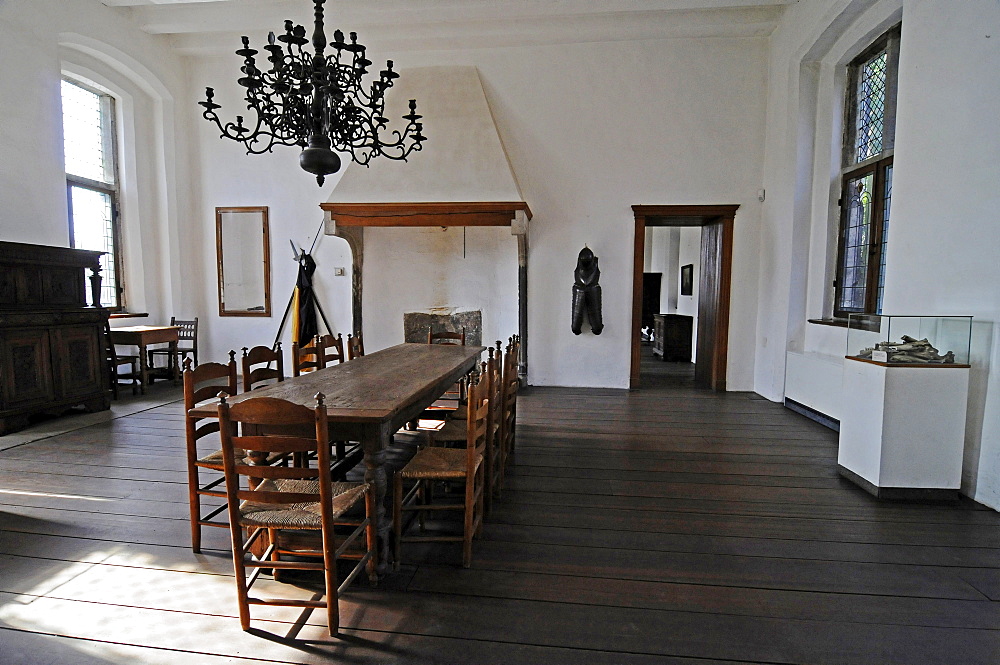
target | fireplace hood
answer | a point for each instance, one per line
(461, 177)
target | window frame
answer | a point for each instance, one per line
(109, 109)
(876, 165)
(877, 168)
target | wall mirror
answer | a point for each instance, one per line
(243, 249)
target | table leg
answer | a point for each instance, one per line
(174, 362)
(143, 369)
(374, 442)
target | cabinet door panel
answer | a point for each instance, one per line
(79, 360)
(26, 354)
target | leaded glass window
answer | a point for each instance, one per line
(91, 181)
(866, 184)
(870, 108)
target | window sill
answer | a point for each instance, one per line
(129, 315)
(837, 323)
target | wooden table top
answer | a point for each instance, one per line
(142, 329)
(144, 335)
(374, 387)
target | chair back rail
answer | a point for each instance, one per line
(187, 331)
(333, 349)
(355, 346)
(476, 424)
(257, 366)
(445, 337)
(309, 357)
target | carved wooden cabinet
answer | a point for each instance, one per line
(672, 335)
(52, 343)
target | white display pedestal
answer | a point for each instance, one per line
(902, 430)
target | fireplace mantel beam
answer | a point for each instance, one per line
(448, 213)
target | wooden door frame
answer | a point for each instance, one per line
(685, 215)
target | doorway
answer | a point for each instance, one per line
(716, 251)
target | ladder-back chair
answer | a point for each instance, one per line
(333, 349)
(187, 343)
(281, 502)
(116, 361)
(203, 383)
(445, 337)
(454, 431)
(432, 464)
(508, 416)
(262, 366)
(457, 392)
(308, 358)
(355, 346)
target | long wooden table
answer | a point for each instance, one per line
(370, 398)
(143, 336)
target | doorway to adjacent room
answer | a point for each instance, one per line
(714, 279)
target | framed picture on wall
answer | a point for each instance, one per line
(687, 280)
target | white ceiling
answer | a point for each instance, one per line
(214, 26)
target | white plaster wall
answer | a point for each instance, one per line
(689, 251)
(662, 246)
(944, 240)
(43, 38)
(670, 286)
(592, 129)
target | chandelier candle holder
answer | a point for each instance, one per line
(318, 102)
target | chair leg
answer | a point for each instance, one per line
(397, 519)
(330, 579)
(194, 499)
(371, 538)
(480, 514)
(470, 493)
(272, 539)
(240, 572)
(489, 464)
(194, 507)
(424, 489)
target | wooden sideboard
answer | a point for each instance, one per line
(672, 335)
(52, 343)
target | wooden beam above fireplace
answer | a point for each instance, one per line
(448, 213)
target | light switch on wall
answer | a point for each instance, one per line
(339, 272)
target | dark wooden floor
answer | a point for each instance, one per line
(667, 525)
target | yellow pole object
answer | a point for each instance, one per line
(295, 316)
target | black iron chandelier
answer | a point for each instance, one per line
(317, 102)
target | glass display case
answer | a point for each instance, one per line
(910, 341)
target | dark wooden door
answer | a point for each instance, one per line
(79, 358)
(26, 356)
(713, 304)
(651, 284)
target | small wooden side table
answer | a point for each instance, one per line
(143, 336)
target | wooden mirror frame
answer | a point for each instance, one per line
(219, 212)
